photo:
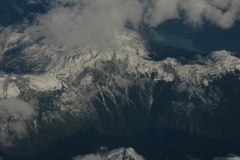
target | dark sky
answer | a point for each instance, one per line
(10, 15)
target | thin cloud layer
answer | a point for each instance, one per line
(33, 2)
(89, 157)
(94, 22)
(222, 13)
(19, 111)
(14, 105)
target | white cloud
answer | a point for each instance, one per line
(181, 87)
(122, 81)
(220, 12)
(17, 9)
(89, 157)
(17, 110)
(161, 10)
(94, 22)
(16, 106)
(33, 2)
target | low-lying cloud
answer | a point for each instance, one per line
(222, 13)
(14, 112)
(33, 2)
(89, 157)
(14, 105)
(94, 22)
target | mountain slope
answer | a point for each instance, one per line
(118, 91)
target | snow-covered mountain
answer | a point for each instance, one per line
(118, 91)
(130, 154)
(123, 153)
(116, 154)
(229, 157)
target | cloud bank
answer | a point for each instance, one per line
(94, 22)
(16, 112)
(222, 13)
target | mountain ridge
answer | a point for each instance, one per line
(115, 91)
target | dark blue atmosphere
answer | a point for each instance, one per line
(217, 38)
(169, 41)
(9, 15)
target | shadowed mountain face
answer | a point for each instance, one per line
(202, 130)
(133, 96)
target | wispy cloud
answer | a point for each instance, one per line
(17, 8)
(14, 112)
(33, 2)
(89, 157)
